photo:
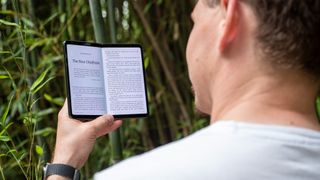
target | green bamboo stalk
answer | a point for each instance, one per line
(171, 119)
(18, 9)
(111, 21)
(32, 56)
(114, 136)
(168, 115)
(32, 14)
(163, 62)
(69, 15)
(31, 9)
(62, 10)
(98, 23)
(1, 42)
(101, 37)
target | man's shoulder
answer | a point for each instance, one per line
(217, 147)
(166, 161)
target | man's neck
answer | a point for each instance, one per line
(267, 100)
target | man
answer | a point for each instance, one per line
(254, 66)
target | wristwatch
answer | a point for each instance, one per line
(61, 170)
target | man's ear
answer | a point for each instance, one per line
(229, 24)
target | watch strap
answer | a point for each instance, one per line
(62, 170)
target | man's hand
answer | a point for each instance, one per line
(75, 139)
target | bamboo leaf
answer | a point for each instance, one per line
(54, 15)
(5, 114)
(2, 155)
(4, 77)
(34, 102)
(63, 17)
(39, 150)
(39, 80)
(30, 32)
(5, 52)
(146, 62)
(45, 132)
(27, 22)
(58, 100)
(21, 156)
(8, 12)
(159, 2)
(47, 97)
(12, 81)
(9, 23)
(12, 151)
(46, 112)
(4, 138)
(40, 86)
(147, 7)
(5, 129)
(41, 42)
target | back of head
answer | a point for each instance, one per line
(288, 33)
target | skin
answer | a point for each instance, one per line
(230, 81)
(75, 139)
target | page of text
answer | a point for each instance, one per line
(86, 80)
(124, 80)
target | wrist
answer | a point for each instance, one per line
(57, 177)
(66, 161)
(63, 156)
(60, 171)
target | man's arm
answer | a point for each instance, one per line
(75, 139)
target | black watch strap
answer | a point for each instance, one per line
(61, 170)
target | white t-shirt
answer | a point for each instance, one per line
(228, 150)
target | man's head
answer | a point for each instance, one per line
(283, 36)
(288, 32)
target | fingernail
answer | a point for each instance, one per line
(109, 119)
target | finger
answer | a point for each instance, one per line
(116, 124)
(64, 115)
(64, 110)
(102, 124)
(107, 129)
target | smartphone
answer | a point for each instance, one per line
(105, 79)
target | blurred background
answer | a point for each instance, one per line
(32, 84)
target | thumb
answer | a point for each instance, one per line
(105, 124)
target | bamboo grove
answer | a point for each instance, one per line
(32, 86)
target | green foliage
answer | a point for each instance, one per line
(39, 150)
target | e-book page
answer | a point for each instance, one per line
(86, 80)
(124, 80)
